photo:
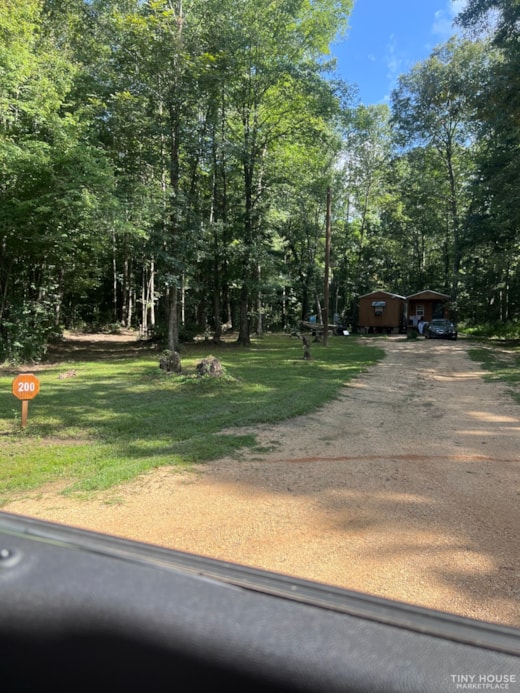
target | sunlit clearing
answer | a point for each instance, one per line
(492, 418)
(453, 377)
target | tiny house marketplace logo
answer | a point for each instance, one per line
(484, 682)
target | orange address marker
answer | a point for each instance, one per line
(25, 387)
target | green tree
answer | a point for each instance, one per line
(140, 144)
(365, 158)
(53, 186)
(275, 93)
(433, 106)
(495, 219)
(416, 219)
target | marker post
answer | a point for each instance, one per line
(25, 387)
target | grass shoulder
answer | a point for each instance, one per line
(112, 418)
(501, 359)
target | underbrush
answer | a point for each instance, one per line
(496, 330)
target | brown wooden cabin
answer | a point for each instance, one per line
(382, 312)
(428, 304)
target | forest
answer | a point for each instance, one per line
(166, 165)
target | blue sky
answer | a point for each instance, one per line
(387, 37)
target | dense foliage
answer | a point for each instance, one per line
(164, 164)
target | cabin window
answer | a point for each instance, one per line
(420, 311)
(378, 307)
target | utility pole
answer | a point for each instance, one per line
(327, 269)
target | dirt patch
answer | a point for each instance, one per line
(406, 487)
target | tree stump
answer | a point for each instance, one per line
(170, 362)
(210, 366)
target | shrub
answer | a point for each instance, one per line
(27, 332)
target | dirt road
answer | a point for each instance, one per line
(407, 487)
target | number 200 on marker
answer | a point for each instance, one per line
(25, 386)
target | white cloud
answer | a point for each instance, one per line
(443, 27)
(393, 61)
(457, 6)
(396, 63)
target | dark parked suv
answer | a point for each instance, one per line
(440, 328)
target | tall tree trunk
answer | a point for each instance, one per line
(259, 308)
(217, 310)
(114, 277)
(320, 312)
(456, 260)
(173, 324)
(243, 325)
(126, 290)
(144, 305)
(327, 270)
(151, 293)
(174, 113)
(249, 148)
(5, 276)
(131, 303)
(148, 299)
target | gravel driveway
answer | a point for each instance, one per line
(407, 487)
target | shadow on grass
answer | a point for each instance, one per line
(108, 419)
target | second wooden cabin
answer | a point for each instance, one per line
(426, 305)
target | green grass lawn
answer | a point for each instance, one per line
(502, 361)
(118, 417)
